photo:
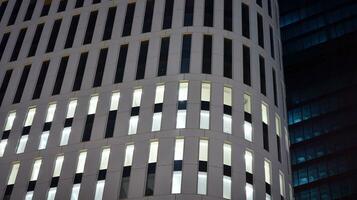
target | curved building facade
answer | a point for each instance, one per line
(145, 99)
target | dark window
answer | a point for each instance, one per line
(62, 5)
(46, 7)
(246, 65)
(80, 71)
(124, 186)
(278, 147)
(129, 17)
(140, 72)
(274, 88)
(209, 13)
(150, 179)
(164, 54)
(245, 21)
(189, 7)
(88, 128)
(265, 137)
(148, 15)
(4, 84)
(186, 53)
(207, 54)
(2, 9)
(109, 132)
(35, 40)
(109, 23)
(14, 12)
(60, 76)
(22, 84)
(262, 75)
(260, 30)
(71, 32)
(53, 37)
(30, 10)
(17, 48)
(121, 64)
(41, 80)
(3, 43)
(228, 15)
(259, 2)
(169, 9)
(100, 67)
(227, 71)
(95, 1)
(272, 48)
(90, 27)
(79, 3)
(269, 8)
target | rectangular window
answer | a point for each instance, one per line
(159, 94)
(140, 73)
(46, 7)
(43, 140)
(209, 13)
(104, 159)
(263, 89)
(53, 37)
(267, 171)
(205, 101)
(227, 123)
(137, 97)
(186, 52)
(129, 152)
(227, 70)
(80, 71)
(259, 2)
(202, 173)
(10, 121)
(58, 166)
(248, 157)
(275, 88)
(22, 84)
(18, 44)
(179, 147)
(90, 27)
(51, 112)
(133, 125)
(36, 170)
(227, 96)
(81, 162)
(272, 48)
(29, 195)
(245, 21)
(248, 131)
(228, 15)
(3, 8)
(176, 182)
(154, 145)
(169, 8)
(35, 40)
(227, 151)
(71, 108)
(227, 110)
(129, 17)
(265, 116)
(183, 91)
(100, 67)
(114, 101)
(149, 11)
(249, 191)
(207, 54)
(189, 8)
(156, 121)
(119, 74)
(109, 23)
(93, 104)
(205, 92)
(164, 54)
(65, 136)
(3, 43)
(260, 30)
(13, 174)
(30, 116)
(5, 84)
(52, 193)
(203, 150)
(75, 191)
(269, 11)
(246, 65)
(181, 119)
(62, 5)
(124, 186)
(60, 76)
(72, 32)
(79, 3)
(227, 184)
(282, 184)
(99, 190)
(3, 143)
(177, 173)
(204, 119)
(14, 12)
(41, 80)
(90, 118)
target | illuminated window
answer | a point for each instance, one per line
(22, 144)
(249, 191)
(202, 183)
(3, 144)
(137, 97)
(13, 174)
(75, 191)
(29, 195)
(179, 146)
(265, 117)
(36, 170)
(181, 119)
(204, 119)
(227, 154)
(65, 136)
(247, 103)
(43, 140)
(277, 125)
(154, 145)
(227, 123)
(248, 131)
(248, 157)
(50, 112)
(133, 125)
(203, 150)
(159, 94)
(10, 121)
(58, 166)
(267, 171)
(282, 184)
(93, 105)
(205, 92)
(52, 193)
(156, 121)
(30, 115)
(176, 182)
(227, 182)
(227, 96)
(183, 91)
(129, 152)
(104, 159)
(71, 108)
(81, 162)
(99, 189)
(114, 101)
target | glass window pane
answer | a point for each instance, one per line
(156, 121)
(203, 151)
(277, 125)
(248, 131)
(52, 193)
(202, 183)
(114, 102)
(99, 190)
(22, 144)
(133, 125)
(248, 157)
(247, 103)
(249, 191)
(206, 92)
(65, 136)
(29, 195)
(159, 95)
(176, 182)
(93, 105)
(282, 184)
(81, 162)
(129, 155)
(30, 115)
(137, 97)
(204, 119)
(265, 113)
(227, 97)
(10, 121)
(50, 112)
(153, 151)
(43, 140)
(58, 166)
(3, 144)
(71, 108)
(36, 170)
(104, 159)
(183, 91)
(181, 119)
(227, 123)
(179, 146)
(75, 191)
(227, 154)
(13, 173)
(267, 171)
(227, 187)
